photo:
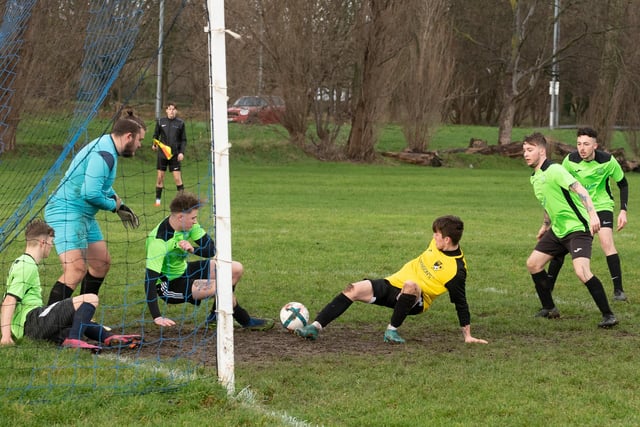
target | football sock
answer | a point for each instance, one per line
(96, 332)
(241, 315)
(552, 272)
(90, 284)
(613, 261)
(599, 296)
(402, 308)
(544, 293)
(180, 188)
(59, 291)
(335, 308)
(81, 319)
(159, 193)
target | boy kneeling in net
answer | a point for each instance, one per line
(64, 322)
(171, 277)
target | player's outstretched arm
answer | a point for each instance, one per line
(466, 332)
(6, 314)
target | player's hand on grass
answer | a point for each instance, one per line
(6, 341)
(128, 217)
(164, 321)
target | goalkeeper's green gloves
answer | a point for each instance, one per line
(128, 218)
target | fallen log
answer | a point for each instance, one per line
(559, 151)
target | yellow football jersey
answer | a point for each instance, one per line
(431, 270)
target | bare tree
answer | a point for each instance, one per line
(303, 51)
(46, 72)
(513, 58)
(426, 74)
(612, 77)
(520, 77)
(382, 42)
(615, 101)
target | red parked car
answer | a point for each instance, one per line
(256, 109)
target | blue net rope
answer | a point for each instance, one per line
(32, 371)
(111, 35)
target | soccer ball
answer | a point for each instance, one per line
(294, 315)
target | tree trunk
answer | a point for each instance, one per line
(382, 41)
(13, 100)
(508, 111)
(362, 137)
(506, 123)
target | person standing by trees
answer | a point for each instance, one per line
(171, 132)
(570, 221)
(593, 168)
(85, 189)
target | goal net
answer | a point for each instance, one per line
(58, 92)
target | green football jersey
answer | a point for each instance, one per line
(163, 253)
(594, 176)
(23, 283)
(551, 186)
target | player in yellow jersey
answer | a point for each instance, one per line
(439, 269)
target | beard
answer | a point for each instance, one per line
(129, 149)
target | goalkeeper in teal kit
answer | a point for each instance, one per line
(594, 169)
(85, 189)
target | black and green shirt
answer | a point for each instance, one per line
(594, 176)
(551, 186)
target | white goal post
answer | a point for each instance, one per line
(222, 200)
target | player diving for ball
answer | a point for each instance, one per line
(439, 269)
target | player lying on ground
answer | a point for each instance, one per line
(413, 289)
(64, 322)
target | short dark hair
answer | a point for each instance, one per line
(37, 228)
(536, 138)
(185, 202)
(171, 104)
(587, 132)
(449, 226)
(128, 122)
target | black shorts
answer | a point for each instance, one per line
(578, 244)
(386, 295)
(173, 165)
(51, 322)
(606, 219)
(178, 290)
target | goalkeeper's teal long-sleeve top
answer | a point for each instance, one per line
(86, 187)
